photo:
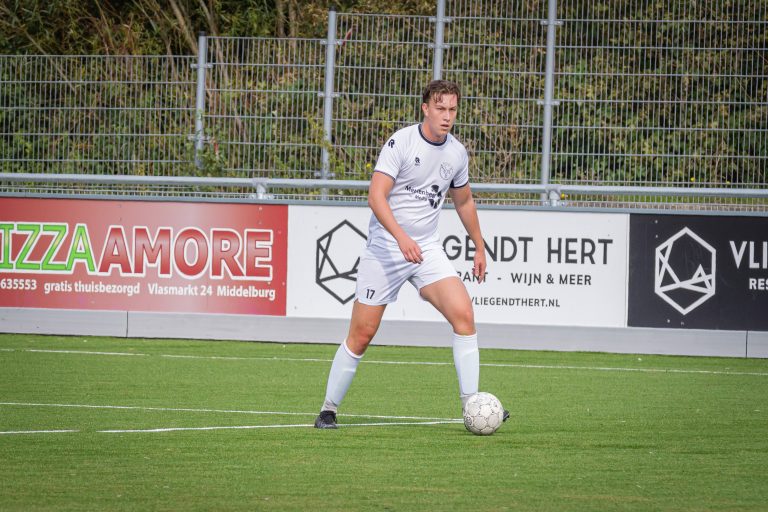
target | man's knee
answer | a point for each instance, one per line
(363, 326)
(360, 336)
(363, 333)
(463, 321)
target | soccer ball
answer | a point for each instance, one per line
(483, 414)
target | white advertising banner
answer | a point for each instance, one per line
(544, 268)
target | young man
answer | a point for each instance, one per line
(416, 169)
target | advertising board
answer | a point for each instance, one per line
(703, 272)
(546, 268)
(143, 256)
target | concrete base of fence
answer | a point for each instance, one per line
(64, 322)
(137, 324)
(757, 344)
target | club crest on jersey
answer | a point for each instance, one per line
(446, 171)
(417, 162)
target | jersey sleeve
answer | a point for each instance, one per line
(389, 158)
(461, 178)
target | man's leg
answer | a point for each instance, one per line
(450, 297)
(362, 328)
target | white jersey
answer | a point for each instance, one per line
(422, 171)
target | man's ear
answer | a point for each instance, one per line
(424, 108)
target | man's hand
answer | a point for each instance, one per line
(410, 249)
(465, 207)
(478, 270)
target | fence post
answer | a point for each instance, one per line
(328, 94)
(202, 53)
(549, 79)
(440, 20)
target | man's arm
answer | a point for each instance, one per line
(465, 207)
(381, 186)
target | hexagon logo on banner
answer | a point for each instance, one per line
(336, 261)
(685, 271)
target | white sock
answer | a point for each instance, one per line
(340, 377)
(466, 358)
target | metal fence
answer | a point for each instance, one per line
(95, 115)
(674, 95)
(606, 104)
(263, 113)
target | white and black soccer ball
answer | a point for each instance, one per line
(483, 414)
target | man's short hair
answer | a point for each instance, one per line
(436, 88)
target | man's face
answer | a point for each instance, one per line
(439, 116)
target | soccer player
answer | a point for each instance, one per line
(417, 167)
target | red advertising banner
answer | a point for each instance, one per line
(143, 256)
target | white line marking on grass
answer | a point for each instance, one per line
(388, 423)
(240, 427)
(235, 358)
(223, 411)
(567, 367)
(86, 352)
(56, 351)
(416, 363)
(299, 425)
(12, 432)
(184, 429)
(618, 369)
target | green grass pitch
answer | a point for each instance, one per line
(92, 423)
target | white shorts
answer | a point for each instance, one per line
(384, 270)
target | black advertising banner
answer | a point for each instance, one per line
(698, 272)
